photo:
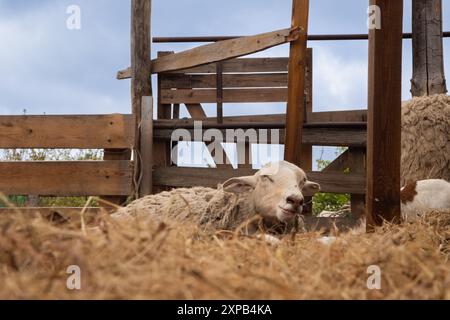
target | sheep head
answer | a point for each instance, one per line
(276, 191)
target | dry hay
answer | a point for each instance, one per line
(140, 259)
(426, 138)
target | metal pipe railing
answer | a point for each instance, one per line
(318, 37)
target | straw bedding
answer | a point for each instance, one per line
(140, 258)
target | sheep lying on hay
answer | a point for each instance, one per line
(426, 138)
(271, 200)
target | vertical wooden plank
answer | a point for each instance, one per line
(176, 111)
(428, 59)
(161, 148)
(306, 155)
(219, 85)
(164, 110)
(356, 162)
(384, 115)
(146, 148)
(141, 83)
(296, 84)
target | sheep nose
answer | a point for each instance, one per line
(295, 200)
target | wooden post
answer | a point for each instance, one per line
(162, 148)
(296, 84)
(428, 60)
(146, 147)
(219, 90)
(164, 110)
(306, 155)
(357, 164)
(141, 83)
(384, 114)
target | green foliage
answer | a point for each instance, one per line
(329, 201)
(49, 155)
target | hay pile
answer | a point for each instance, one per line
(426, 138)
(142, 258)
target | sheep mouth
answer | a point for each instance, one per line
(288, 212)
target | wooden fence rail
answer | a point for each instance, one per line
(67, 132)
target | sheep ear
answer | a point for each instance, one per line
(239, 185)
(311, 187)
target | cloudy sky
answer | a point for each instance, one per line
(47, 68)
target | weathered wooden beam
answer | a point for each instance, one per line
(336, 137)
(223, 50)
(146, 148)
(342, 137)
(295, 114)
(306, 155)
(196, 111)
(314, 117)
(141, 67)
(188, 96)
(208, 81)
(189, 177)
(115, 155)
(66, 178)
(357, 165)
(428, 59)
(242, 65)
(384, 114)
(340, 164)
(162, 149)
(337, 116)
(69, 131)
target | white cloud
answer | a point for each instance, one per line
(339, 84)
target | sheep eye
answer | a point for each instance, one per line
(268, 178)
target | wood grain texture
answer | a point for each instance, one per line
(67, 178)
(188, 96)
(241, 65)
(314, 136)
(77, 132)
(428, 58)
(384, 115)
(295, 113)
(340, 164)
(357, 165)
(188, 177)
(208, 81)
(196, 111)
(116, 154)
(223, 50)
(314, 117)
(146, 148)
(337, 116)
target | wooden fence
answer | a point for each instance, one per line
(212, 74)
(67, 178)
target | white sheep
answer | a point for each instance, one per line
(275, 194)
(419, 197)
